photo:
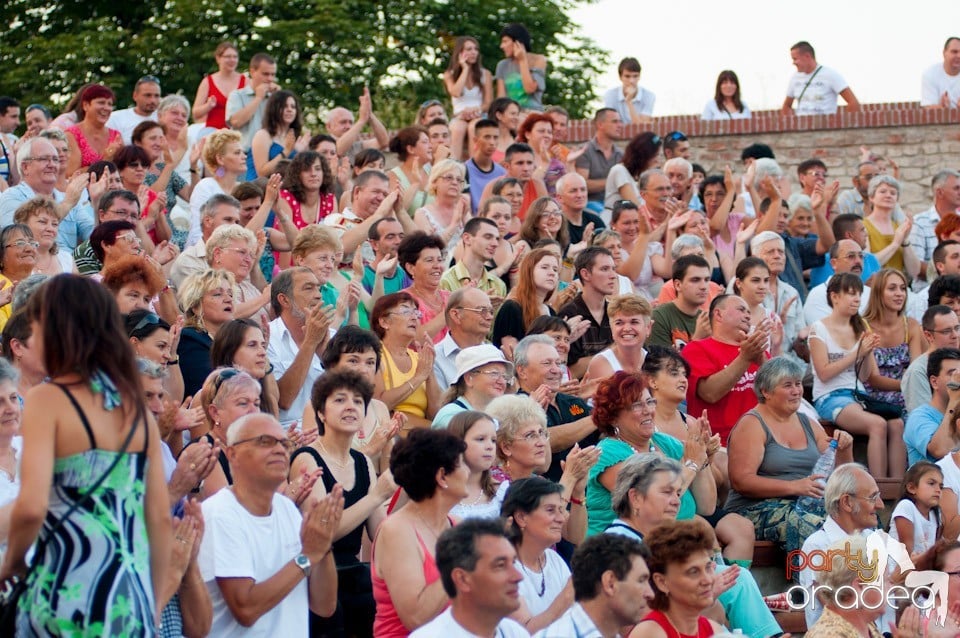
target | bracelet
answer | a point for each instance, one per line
(173, 362)
(906, 245)
(412, 388)
(575, 501)
(691, 464)
(269, 370)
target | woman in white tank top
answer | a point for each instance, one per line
(470, 87)
(630, 325)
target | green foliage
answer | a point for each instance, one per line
(327, 50)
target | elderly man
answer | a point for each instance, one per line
(384, 238)
(680, 173)
(219, 210)
(119, 205)
(782, 298)
(246, 105)
(539, 369)
(815, 87)
(264, 564)
(845, 256)
(723, 366)
(852, 502)
(854, 200)
(657, 194)
(632, 102)
(468, 316)
(940, 84)
(946, 200)
(572, 197)
(678, 322)
(146, 99)
(341, 125)
(601, 154)
(478, 569)
(598, 277)
(929, 432)
(941, 329)
(481, 237)
(371, 201)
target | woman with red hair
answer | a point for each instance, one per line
(90, 140)
(553, 161)
(948, 228)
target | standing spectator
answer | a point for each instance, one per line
(247, 103)
(506, 113)
(210, 104)
(90, 139)
(726, 103)
(814, 86)
(340, 124)
(940, 84)
(480, 168)
(281, 137)
(601, 155)
(522, 74)
(470, 87)
(631, 101)
(146, 99)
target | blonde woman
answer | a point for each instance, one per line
(450, 208)
(40, 215)
(226, 161)
(235, 249)
(207, 301)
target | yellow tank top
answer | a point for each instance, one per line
(879, 241)
(416, 402)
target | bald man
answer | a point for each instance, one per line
(341, 125)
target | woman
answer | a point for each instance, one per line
(726, 103)
(134, 283)
(448, 209)
(522, 74)
(539, 275)
(241, 344)
(319, 249)
(544, 220)
(112, 240)
(506, 113)
(470, 87)
(630, 325)
(162, 176)
(281, 137)
(537, 131)
(717, 194)
(40, 215)
(889, 240)
(407, 383)
(948, 228)
(428, 465)
(18, 258)
(641, 154)
(429, 111)
(800, 218)
(156, 340)
(340, 401)
(132, 164)
(421, 257)
(11, 445)
(173, 115)
(482, 376)
(752, 283)
(308, 195)
(95, 422)
(642, 255)
(484, 494)
(207, 300)
(682, 570)
(22, 348)
(772, 450)
(72, 112)
(901, 340)
(210, 104)
(89, 139)
(235, 249)
(226, 161)
(610, 239)
(412, 146)
(851, 602)
(841, 352)
(522, 440)
(623, 413)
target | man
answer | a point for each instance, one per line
(477, 566)
(119, 205)
(845, 256)
(680, 174)
(676, 144)
(848, 226)
(480, 238)
(146, 99)
(781, 296)
(468, 316)
(297, 338)
(245, 106)
(264, 564)
(438, 132)
(941, 329)
(601, 154)
(539, 369)
(520, 165)
(219, 210)
(852, 502)
(946, 200)
(631, 101)
(946, 258)
(723, 366)
(371, 201)
(480, 168)
(340, 124)
(9, 122)
(945, 291)
(940, 84)
(598, 277)
(611, 584)
(657, 194)
(815, 87)
(929, 431)
(384, 237)
(677, 323)
(572, 197)
(854, 200)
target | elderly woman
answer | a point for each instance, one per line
(18, 258)
(429, 466)
(207, 300)
(90, 140)
(234, 248)
(850, 607)
(112, 240)
(11, 444)
(772, 450)
(421, 255)
(226, 161)
(522, 441)
(407, 383)
(412, 146)
(319, 249)
(482, 375)
(682, 570)
(241, 344)
(782, 298)
(630, 325)
(889, 241)
(210, 103)
(135, 282)
(449, 210)
(281, 137)
(40, 215)
(173, 115)
(800, 217)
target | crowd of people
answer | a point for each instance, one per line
(505, 388)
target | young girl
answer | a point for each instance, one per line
(484, 494)
(916, 520)
(753, 283)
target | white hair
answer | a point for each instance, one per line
(678, 162)
(566, 179)
(796, 202)
(235, 430)
(766, 166)
(26, 151)
(762, 238)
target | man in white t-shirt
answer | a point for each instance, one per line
(265, 565)
(845, 256)
(815, 87)
(146, 99)
(940, 84)
(478, 571)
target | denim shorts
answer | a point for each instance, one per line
(829, 405)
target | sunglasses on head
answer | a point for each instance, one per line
(149, 319)
(676, 136)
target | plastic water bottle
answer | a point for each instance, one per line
(823, 466)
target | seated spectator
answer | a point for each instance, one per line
(226, 161)
(484, 493)
(677, 323)
(941, 329)
(848, 226)
(384, 238)
(235, 249)
(726, 103)
(522, 439)
(929, 432)
(752, 284)
(572, 197)
(18, 258)
(845, 256)
(800, 218)
(610, 240)
(36, 118)
(407, 383)
(481, 170)
(470, 87)
(160, 175)
(481, 240)
(856, 201)
(640, 257)
(889, 240)
(11, 443)
(680, 173)
(219, 210)
(521, 75)
(412, 146)
(641, 154)
(946, 291)
(783, 298)
(90, 139)
(421, 255)
(135, 283)
(539, 275)
(152, 340)
(595, 268)
(536, 130)
(468, 316)
(558, 330)
(307, 197)
(340, 124)
(482, 375)
(241, 344)
(544, 220)
(207, 301)
(281, 136)
(369, 159)
(772, 450)
(684, 245)
(505, 112)
(318, 249)
(428, 465)
(923, 237)
(506, 261)
(632, 102)
(448, 210)
(629, 326)
(519, 162)
(41, 216)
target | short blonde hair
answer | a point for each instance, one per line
(511, 412)
(224, 235)
(195, 287)
(315, 237)
(215, 144)
(444, 167)
(35, 206)
(629, 305)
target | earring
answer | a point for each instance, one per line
(220, 172)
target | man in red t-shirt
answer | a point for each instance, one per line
(723, 366)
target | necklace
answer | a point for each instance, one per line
(340, 464)
(634, 447)
(674, 627)
(543, 576)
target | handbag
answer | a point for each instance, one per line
(884, 409)
(12, 588)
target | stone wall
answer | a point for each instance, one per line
(920, 141)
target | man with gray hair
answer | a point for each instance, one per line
(946, 200)
(468, 316)
(657, 195)
(572, 197)
(852, 501)
(782, 297)
(845, 256)
(219, 210)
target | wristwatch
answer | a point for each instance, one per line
(690, 463)
(301, 561)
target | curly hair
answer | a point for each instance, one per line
(408, 252)
(384, 305)
(34, 208)
(330, 382)
(948, 225)
(273, 113)
(671, 543)
(416, 460)
(133, 269)
(300, 163)
(615, 394)
(216, 144)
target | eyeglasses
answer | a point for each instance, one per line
(453, 179)
(650, 404)
(243, 252)
(265, 441)
(817, 173)
(20, 244)
(483, 312)
(44, 159)
(533, 435)
(229, 373)
(946, 332)
(407, 312)
(551, 213)
(149, 319)
(676, 136)
(496, 375)
(130, 238)
(328, 259)
(870, 498)
(136, 164)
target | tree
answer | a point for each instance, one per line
(326, 50)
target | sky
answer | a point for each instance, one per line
(682, 45)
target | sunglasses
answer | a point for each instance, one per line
(149, 319)
(229, 373)
(676, 136)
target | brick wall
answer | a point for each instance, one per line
(921, 141)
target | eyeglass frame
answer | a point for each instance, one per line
(287, 444)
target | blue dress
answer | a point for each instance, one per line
(275, 149)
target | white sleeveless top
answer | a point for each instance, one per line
(470, 98)
(846, 380)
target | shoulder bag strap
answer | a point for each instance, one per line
(807, 85)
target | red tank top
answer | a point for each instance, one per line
(704, 628)
(217, 117)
